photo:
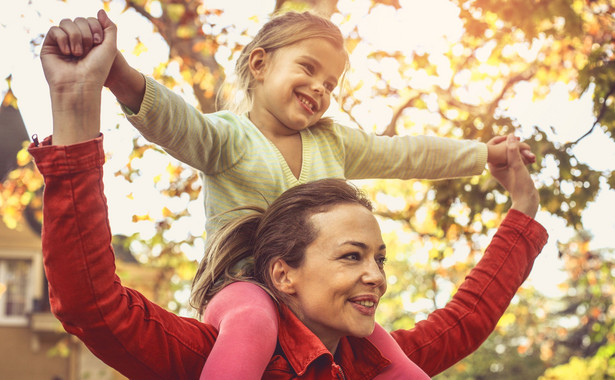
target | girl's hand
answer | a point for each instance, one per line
(516, 179)
(497, 155)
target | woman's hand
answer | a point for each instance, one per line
(79, 52)
(76, 57)
(516, 179)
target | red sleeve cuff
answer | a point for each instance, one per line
(65, 159)
(529, 227)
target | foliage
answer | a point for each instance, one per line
(21, 193)
(598, 367)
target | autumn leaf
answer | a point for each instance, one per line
(9, 100)
(139, 48)
(393, 3)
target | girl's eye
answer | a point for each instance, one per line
(308, 67)
(329, 87)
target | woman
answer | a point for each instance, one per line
(317, 249)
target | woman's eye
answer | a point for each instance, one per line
(381, 261)
(352, 256)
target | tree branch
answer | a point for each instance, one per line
(598, 118)
(141, 10)
(391, 129)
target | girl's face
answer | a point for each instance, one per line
(293, 84)
(337, 287)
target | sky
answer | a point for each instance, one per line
(21, 22)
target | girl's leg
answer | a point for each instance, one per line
(401, 366)
(247, 322)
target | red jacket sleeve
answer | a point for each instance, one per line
(453, 332)
(119, 325)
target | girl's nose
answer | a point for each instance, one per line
(318, 87)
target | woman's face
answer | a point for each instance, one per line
(339, 284)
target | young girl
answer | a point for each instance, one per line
(275, 140)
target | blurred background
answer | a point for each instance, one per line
(544, 70)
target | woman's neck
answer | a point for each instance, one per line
(329, 341)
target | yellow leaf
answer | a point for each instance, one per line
(139, 49)
(9, 100)
(185, 31)
(507, 320)
(139, 218)
(434, 253)
(23, 157)
(25, 199)
(175, 11)
(166, 212)
(393, 3)
(351, 44)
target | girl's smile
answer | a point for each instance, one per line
(293, 85)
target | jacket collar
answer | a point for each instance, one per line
(357, 356)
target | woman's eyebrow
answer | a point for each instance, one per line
(362, 245)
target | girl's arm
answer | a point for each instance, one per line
(366, 155)
(126, 83)
(207, 142)
(165, 118)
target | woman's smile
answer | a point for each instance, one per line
(339, 284)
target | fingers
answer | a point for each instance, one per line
(96, 30)
(57, 38)
(77, 37)
(109, 28)
(73, 34)
(513, 155)
(496, 140)
(527, 156)
(526, 153)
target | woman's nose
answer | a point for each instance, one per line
(373, 275)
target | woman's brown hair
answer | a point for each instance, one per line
(246, 247)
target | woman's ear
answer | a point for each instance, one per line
(257, 60)
(282, 277)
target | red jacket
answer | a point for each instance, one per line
(143, 341)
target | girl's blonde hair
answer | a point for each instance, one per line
(283, 30)
(246, 247)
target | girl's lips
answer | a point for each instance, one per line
(308, 104)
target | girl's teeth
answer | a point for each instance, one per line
(307, 103)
